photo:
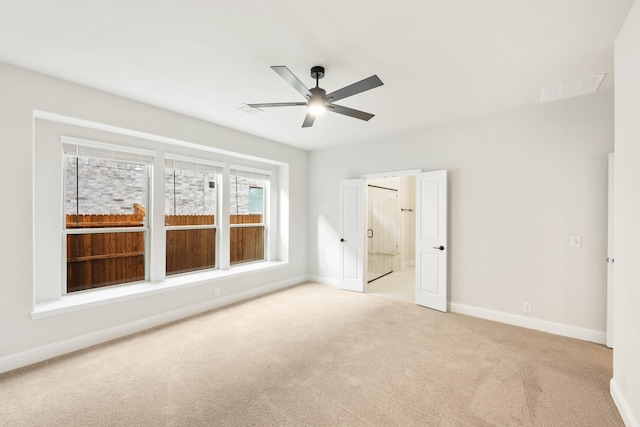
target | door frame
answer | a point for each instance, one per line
(391, 174)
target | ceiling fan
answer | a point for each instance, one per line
(318, 100)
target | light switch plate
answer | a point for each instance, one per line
(575, 241)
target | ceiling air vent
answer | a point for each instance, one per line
(248, 109)
(571, 89)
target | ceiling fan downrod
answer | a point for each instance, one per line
(317, 72)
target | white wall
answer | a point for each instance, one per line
(625, 386)
(408, 221)
(22, 338)
(521, 184)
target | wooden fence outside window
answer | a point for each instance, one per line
(103, 259)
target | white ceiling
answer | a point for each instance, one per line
(441, 61)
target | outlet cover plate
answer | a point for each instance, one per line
(575, 241)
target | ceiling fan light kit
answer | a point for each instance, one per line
(317, 99)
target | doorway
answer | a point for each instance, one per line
(390, 222)
(431, 230)
(383, 229)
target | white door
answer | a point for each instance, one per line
(431, 240)
(352, 235)
(610, 258)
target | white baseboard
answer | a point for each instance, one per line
(324, 280)
(48, 351)
(622, 404)
(599, 337)
(408, 264)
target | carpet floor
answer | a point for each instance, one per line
(312, 355)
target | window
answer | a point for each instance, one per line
(191, 207)
(106, 228)
(248, 233)
(106, 215)
(106, 219)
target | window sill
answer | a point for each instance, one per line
(98, 297)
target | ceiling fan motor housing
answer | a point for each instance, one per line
(318, 92)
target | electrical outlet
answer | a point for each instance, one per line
(526, 307)
(575, 241)
(217, 292)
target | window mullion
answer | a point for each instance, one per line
(157, 242)
(224, 211)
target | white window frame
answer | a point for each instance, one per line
(49, 254)
(266, 176)
(218, 168)
(77, 147)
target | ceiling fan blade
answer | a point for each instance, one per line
(286, 74)
(349, 112)
(355, 88)
(308, 120)
(277, 104)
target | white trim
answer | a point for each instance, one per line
(60, 118)
(248, 224)
(197, 160)
(599, 337)
(38, 354)
(391, 174)
(233, 166)
(81, 142)
(408, 264)
(191, 227)
(324, 280)
(102, 230)
(82, 300)
(622, 404)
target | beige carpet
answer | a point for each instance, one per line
(312, 355)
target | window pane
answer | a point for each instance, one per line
(71, 186)
(247, 244)
(189, 193)
(256, 200)
(104, 259)
(190, 250)
(105, 187)
(247, 199)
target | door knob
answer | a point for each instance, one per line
(342, 240)
(439, 247)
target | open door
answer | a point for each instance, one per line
(431, 240)
(352, 245)
(610, 258)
